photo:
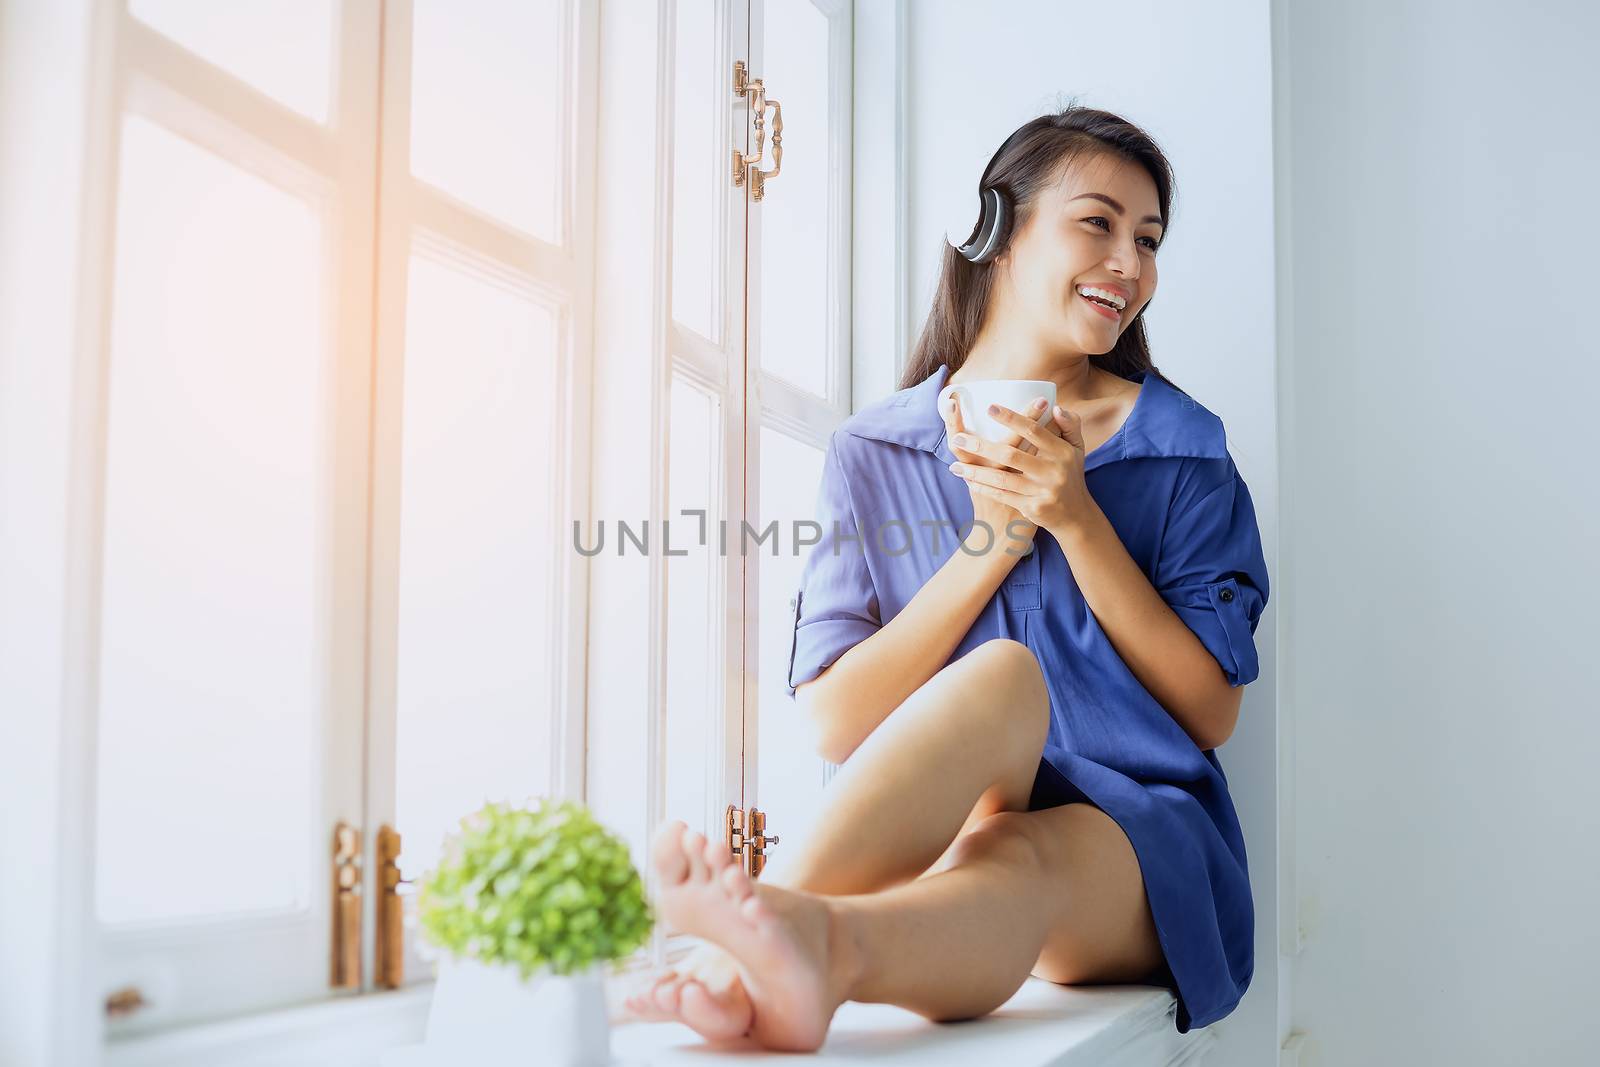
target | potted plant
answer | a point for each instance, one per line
(530, 906)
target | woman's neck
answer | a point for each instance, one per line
(1076, 378)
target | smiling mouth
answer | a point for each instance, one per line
(1104, 310)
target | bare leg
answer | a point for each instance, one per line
(959, 943)
(965, 745)
(952, 946)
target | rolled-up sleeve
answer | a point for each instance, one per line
(836, 606)
(1211, 569)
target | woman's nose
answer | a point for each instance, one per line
(1124, 259)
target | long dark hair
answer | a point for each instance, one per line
(1040, 150)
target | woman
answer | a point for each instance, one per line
(1025, 718)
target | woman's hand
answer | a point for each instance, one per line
(1044, 484)
(997, 514)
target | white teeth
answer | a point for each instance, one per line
(1104, 294)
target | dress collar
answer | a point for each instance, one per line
(1164, 422)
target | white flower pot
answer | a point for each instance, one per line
(484, 1013)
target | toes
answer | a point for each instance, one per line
(646, 994)
(694, 849)
(641, 1002)
(666, 994)
(695, 993)
(709, 1016)
(736, 884)
(718, 855)
(666, 853)
(641, 1008)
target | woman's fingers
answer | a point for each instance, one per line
(955, 427)
(1022, 426)
(995, 454)
(978, 450)
(950, 411)
(1010, 453)
(1068, 426)
(989, 476)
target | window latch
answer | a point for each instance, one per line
(747, 838)
(753, 90)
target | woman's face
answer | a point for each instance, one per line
(1098, 226)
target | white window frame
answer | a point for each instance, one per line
(561, 275)
(53, 209)
(134, 68)
(192, 970)
(778, 404)
(639, 360)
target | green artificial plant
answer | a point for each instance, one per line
(538, 887)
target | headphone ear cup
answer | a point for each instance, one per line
(990, 233)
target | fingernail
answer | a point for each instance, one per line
(960, 439)
(994, 409)
(1038, 404)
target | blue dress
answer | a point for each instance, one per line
(892, 513)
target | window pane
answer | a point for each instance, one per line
(797, 323)
(213, 641)
(790, 776)
(476, 514)
(486, 104)
(699, 175)
(694, 623)
(285, 50)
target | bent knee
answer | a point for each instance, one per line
(1008, 651)
(1016, 681)
(1016, 661)
(1000, 837)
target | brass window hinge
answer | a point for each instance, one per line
(747, 837)
(389, 961)
(388, 953)
(345, 968)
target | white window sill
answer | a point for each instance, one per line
(346, 1031)
(1042, 1025)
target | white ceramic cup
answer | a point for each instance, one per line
(1013, 393)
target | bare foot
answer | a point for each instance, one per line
(703, 990)
(791, 957)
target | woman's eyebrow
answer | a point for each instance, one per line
(1114, 206)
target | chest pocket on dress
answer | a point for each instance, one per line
(1020, 590)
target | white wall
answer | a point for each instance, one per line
(1198, 78)
(1440, 525)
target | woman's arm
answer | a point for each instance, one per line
(1167, 657)
(1159, 648)
(846, 702)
